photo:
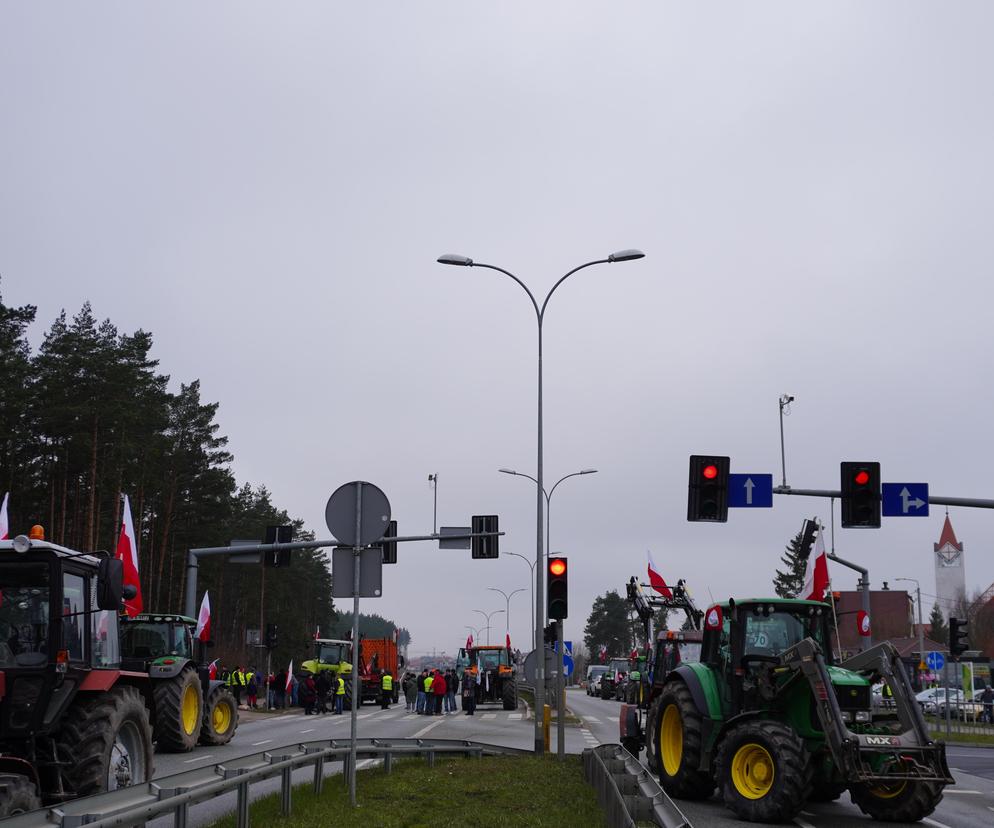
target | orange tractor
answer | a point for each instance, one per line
(493, 669)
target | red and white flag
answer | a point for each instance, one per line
(816, 574)
(289, 676)
(508, 638)
(603, 652)
(317, 632)
(212, 669)
(127, 551)
(4, 523)
(656, 580)
(203, 631)
(469, 641)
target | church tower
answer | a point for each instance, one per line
(950, 574)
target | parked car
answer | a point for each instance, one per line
(594, 673)
(961, 706)
(928, 699)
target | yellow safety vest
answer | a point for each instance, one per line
(341, 687)
(428, 683)
(387, 682)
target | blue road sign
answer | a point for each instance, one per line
(568, 665)
(935, 661)
(904, 499)
(750, 491)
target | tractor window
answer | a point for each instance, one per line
(182, 644)
(142, 640)
(74, 620)
(24, 606)
(771, 633)
(332, 653)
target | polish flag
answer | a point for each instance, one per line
(469, 641)
(212, 669)
(656, 580)
(508, 638)
(317, 632)
(203, 631)
(127, 552)
(816, 574)
(289, 676)
(4, 523)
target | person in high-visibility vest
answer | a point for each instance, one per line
(340, 696)
(236, 681)
(386, 690)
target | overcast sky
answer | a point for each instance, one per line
(267, 187)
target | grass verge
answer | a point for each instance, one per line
(964, 738)
(492, 792)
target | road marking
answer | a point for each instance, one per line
(263, 742)
(956, 791)
(409, 717)
(197, 758)
(309, 730)
(514, 716)
(489, 716)
(593, 719)
(803, 823)
(934, 822)
(424, 730)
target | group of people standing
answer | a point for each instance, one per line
(433, 692)
(313, 693)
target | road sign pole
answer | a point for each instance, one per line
(947, 701)
(353, 713)
(561, 696)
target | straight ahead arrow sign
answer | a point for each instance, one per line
(750, 491)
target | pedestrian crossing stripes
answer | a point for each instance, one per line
(489, 716)
(593, 719)
(514, 716)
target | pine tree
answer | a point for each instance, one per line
(940, 630)
(608, 625)
(789, 581)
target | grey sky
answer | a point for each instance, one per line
(266, 188)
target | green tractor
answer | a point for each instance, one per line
(188, 706)
(334, 656)
(770, 718)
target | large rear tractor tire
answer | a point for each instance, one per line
(109, 737)
(510, 696)
(179, 711)
(763, 772)
(17, 795)
(902, 801)
(652, 760)
(220, 717)
(681, 744)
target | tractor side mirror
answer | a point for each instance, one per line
(110, 584)
(129, 592)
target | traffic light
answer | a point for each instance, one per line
(551, 633)
(389, 548)
(809, 531)
(277, 534)
(271, 636)
(860, 495)
(558, 581)
(707, 491)
(957, 637)
(485, 547)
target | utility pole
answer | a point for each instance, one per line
(433, 479)
(785, 401)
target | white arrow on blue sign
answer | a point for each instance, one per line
(904, 499)
(935, 661)
(750, 491)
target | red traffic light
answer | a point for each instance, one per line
(557, 566)
(862, 477)
(710, 472)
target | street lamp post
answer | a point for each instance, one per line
(487, 615)
(474, 631)
(921, 627)
(531, 566)
(465, 261)
(507, 598)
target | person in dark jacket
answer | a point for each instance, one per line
(438, 687)
(322, 686)
(468, 693)
(307, 693)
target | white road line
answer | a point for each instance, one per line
(309, 730)
(198, 758)
(424, 730)
(593, 719)
(409, 716)
(956, 791)
(803, 823)
(263, 742)
(934, 822)
(489, 716)
(514, 716)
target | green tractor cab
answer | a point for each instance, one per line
(333, 656)
(187, 705)
(769, 718)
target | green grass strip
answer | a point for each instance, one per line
(492, 792)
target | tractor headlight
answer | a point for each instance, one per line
(21, 544)
(846, 716)
(864, 715)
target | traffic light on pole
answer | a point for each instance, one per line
(957, 637)
(860, 495)
(558, 580)
(277, 557)
(389, 548)
(485, 547)
(707, 491)
(809, 531)
(551, 633)
(271, 636)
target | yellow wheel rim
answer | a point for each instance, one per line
(671, 740)
(221, 717)
(190, 710)
(884, 791)
(753, 771)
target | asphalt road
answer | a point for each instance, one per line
(967, 804)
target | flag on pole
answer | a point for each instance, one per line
(203, 631)
(816, 574)
(212, 669)
(4, 523)
(127, 552)
(469, 641)
(507, 637)
(656, 580)
(603, 652)
(289, 676)
(317, 632)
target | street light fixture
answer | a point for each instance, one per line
(531, 567)
(465, 261)
(507, 598)
(487, 615)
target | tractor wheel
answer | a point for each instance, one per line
(652, 760)
(220, 717)
(17, 795)
(900, 801)
(510, 696)
(679, 736)
(179, 711)
(763, 771)
(347, 701)
(109, 737)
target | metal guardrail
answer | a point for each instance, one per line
(175, 794)
(627, 791)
